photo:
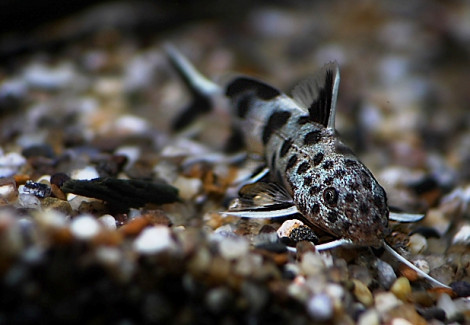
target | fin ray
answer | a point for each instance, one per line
(318, 95)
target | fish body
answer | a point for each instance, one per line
(328, 184)
(310, 171)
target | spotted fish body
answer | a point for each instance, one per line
(311, 172)
(329, 186)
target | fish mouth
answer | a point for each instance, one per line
(368, 236)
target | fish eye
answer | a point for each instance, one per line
(330, 195)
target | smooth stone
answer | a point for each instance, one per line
(154, 240)
(234, 247)
(85, 227)
(386, 274)
(320, 307)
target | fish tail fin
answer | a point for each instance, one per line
(200, 87)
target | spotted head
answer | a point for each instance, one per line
(331, 187)
(336, 193)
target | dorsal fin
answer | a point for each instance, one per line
(243, 84)
(318, 95)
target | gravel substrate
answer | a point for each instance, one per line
(151, 245)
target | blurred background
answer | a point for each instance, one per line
(404, 94)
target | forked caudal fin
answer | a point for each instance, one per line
(200, 87)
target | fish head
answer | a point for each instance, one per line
(346, 200)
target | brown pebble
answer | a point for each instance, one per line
(422, 298)
(57, 192)
(21, 179)
(401, 288)
(408, 273)
(441, 290)
(52, 203)
(362, 293)
(157, 217)
(134, 227)
(108, 238)
(61, 236)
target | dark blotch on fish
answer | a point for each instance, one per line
(327, 164)
(308, 180)
(292, 161)
(332, 216)
(243, 105)
(303, 120)
(349, 198)
(312, 138)
(314, 190)
(302, 168)
(317, 158)
(276, 121)
(315, 209)
(285, 147)
(243, 84)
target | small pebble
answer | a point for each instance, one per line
(233, 247)
(312, 264)
(57, 204)
(8, 191)
(401, 288)
(108, 221)
(28, 201)
(369, 317)
(154, 240)
(400, 321)
(320, 307)
(362, 293)
(461, 288)
(187, 187)
(85, 227)
(385, 301)
(417, 244)
(86, 173)
(462, 236)
(110, 256)
(386, 274)
(287, 226)
(10, 163)
(445, 303)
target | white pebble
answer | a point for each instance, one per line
(86, 173)
(369, 317)
(445, 303)
(233, 247)
(320, 307)
(108, 221)
(153, 240)
(110, 256)
(8, 191)
(10, 163)
(417, 244)
(28, 201)
(132, 154)
(49, 77)
(462, 236)
(287, 226)
(385, 301)
(52, 218)
(400, 321)
(130, 124)
(312, 264)
(188, 187)
(85, 227)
